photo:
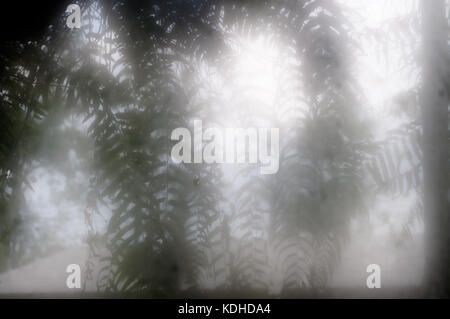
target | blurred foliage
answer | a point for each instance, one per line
(132, 78)
(131, 74)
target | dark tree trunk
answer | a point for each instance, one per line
(434, 105)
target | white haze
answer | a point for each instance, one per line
(373, 240)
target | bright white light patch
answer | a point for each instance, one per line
(255, 71)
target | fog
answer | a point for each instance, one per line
(93, 180)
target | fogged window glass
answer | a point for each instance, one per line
(226, 149)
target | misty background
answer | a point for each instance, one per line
(85, 163)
